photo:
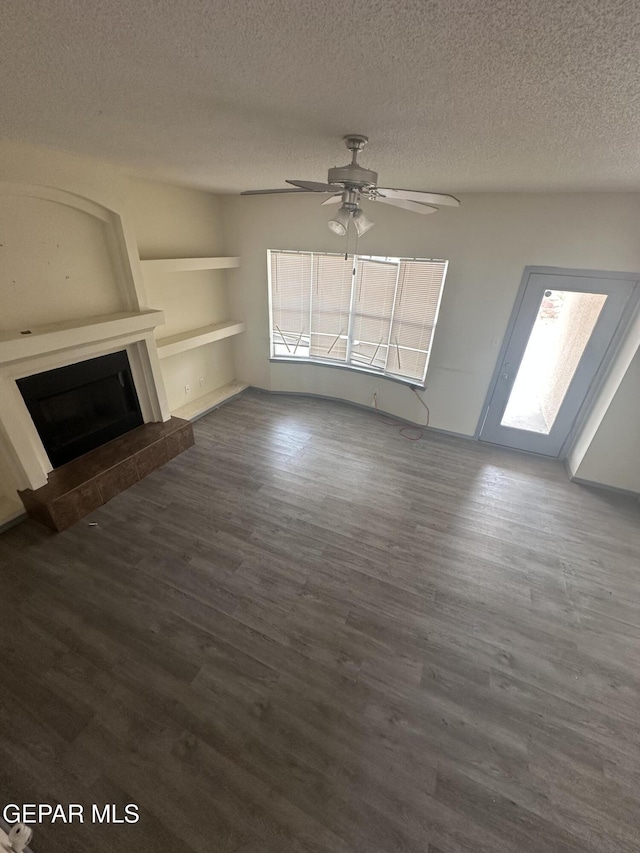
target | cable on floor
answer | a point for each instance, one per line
(422, 402)
(404, 429)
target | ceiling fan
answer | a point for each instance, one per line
(348, 185)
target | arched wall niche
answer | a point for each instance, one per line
(70, 289)
(62, 257)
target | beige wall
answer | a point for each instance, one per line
(56, 264)
(627, 466)
(613, 457)
(175, 222)
(56, 261)
(488, 241)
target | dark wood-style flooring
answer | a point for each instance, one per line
(309, 634)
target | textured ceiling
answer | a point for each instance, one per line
(455, 95)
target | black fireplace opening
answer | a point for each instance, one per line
(79, 407)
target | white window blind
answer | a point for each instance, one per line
(290, 302)
(375, 285)
(330, 306)
(373, 314)
(414, 316)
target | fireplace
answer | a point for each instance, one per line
(82, 406)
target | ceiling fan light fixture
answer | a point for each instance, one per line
(340, 222)
(346, 185)
(361, 221)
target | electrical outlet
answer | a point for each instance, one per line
(187, 389)
(201, 381)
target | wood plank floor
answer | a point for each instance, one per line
(309, 634)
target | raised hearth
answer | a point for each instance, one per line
(82, 485)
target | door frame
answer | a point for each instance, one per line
(609, 356)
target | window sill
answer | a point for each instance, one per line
(412, 383)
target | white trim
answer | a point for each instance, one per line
(188, 264)
(68, 343)
(200, 407)
(615, 362)
(318, 362)
(198, 337)
(43, 340)
(56, 345)
(119, 236)
(349, 363)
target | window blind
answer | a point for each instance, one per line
(290, 298)
(414, 316)
(375, 284)
(375, 314)
(330, 306)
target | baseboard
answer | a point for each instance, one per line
(591, 484)
(218, 405)
(7, 525)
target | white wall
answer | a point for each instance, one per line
(176, 222)
(488, 241)
(615, 465)
(613, 456)
(56, 262)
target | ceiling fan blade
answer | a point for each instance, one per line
(315, 187)
(419, 196)
(408, 205)
(333, 199)
(265, 192)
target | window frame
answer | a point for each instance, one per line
(347, 365)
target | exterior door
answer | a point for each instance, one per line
(564, 325)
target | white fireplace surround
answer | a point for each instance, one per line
(25, 352)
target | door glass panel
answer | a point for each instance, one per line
(558, 339)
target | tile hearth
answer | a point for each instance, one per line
(82, 485)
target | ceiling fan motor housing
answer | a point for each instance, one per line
(354, 175)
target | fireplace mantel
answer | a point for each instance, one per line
(31, 351)
(41, 340)
(86, 241)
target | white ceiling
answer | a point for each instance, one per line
(455, 95)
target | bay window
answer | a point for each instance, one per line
(372, 314)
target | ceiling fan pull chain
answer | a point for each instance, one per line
(355, 248)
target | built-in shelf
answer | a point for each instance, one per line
(188, 264)
(198, 337)
(202, 405)
(171, 345)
